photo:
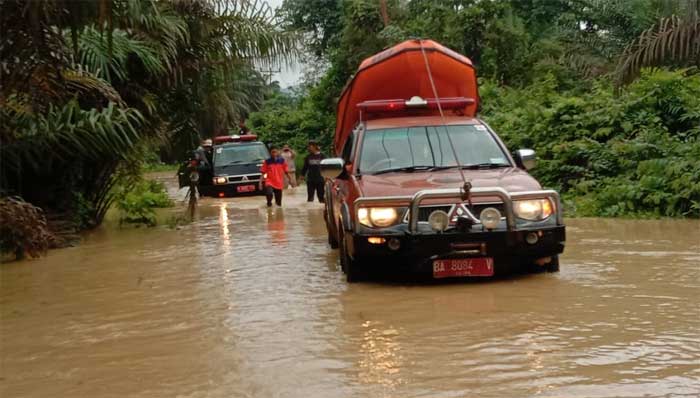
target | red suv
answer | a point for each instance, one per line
(422, 185)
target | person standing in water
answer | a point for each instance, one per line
(290, 156)
(312, 172)
(273, 170)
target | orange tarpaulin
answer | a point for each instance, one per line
(400, 73)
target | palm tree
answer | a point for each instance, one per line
(672, 40)
(85, 84)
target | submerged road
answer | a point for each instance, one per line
(250, 303)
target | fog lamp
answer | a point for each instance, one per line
(490, 217)
(531, 238)
(438, 220)
(394, 244)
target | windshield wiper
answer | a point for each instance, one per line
(409, 169)
(484, 166)
(436, 168)
(475, 166)
(238, 162)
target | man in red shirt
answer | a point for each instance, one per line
(273, 170)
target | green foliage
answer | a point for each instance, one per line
(137, 204)
(547, 73)
(289, 120)
(67, 131)
(636, 154)
(87, 85)
(83, 211)
(672, 39)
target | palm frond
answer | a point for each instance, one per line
(85, 83)
(111, 65)
(69, 132)
(248, 30)
(671, 40)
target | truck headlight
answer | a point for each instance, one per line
(533, 209)
(377, 216)
(220, 180)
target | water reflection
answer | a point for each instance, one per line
(381, 357)
(276, 227)
(224, 223)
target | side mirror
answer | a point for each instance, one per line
(331, 168)
(525, 158)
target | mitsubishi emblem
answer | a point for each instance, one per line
(245, 178)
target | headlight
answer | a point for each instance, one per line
(533, 210)
(220, 180)
(490, 217)
(377, 216)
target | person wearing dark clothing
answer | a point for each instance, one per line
(312, 172)
(274, 169)
(243, 129)
(204, 155)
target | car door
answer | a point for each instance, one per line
(341, 186)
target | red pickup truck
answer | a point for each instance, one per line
(422, 185)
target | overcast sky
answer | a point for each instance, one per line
(287, 76)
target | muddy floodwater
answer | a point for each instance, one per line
(250, 303)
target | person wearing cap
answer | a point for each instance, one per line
(312, 172)
(202, 153)
(289, 156)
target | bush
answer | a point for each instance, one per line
(23, 228)
(137, 204)
(632, 154)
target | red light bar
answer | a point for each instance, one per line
(382, 105)
(225, 138)
(248, 137)
(414, 103)
(450, 103)
(234, 138)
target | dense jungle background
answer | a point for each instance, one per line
(606, 91)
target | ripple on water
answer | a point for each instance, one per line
(248, 302)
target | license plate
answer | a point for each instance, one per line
(245, 188)
(454, 268)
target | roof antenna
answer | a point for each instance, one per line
(467, 185)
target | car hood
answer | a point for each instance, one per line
(406, 183)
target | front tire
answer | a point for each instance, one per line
(553, 266)
(332, 239)
(351, 268)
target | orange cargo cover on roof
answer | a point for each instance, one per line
(400, 73)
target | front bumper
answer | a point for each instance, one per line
(232, 184)
(416, 253)
(414, 245)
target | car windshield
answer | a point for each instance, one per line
(240, 154)
(428, 147)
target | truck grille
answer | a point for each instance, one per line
(477, 208)
(425, 211)
(251, 177)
